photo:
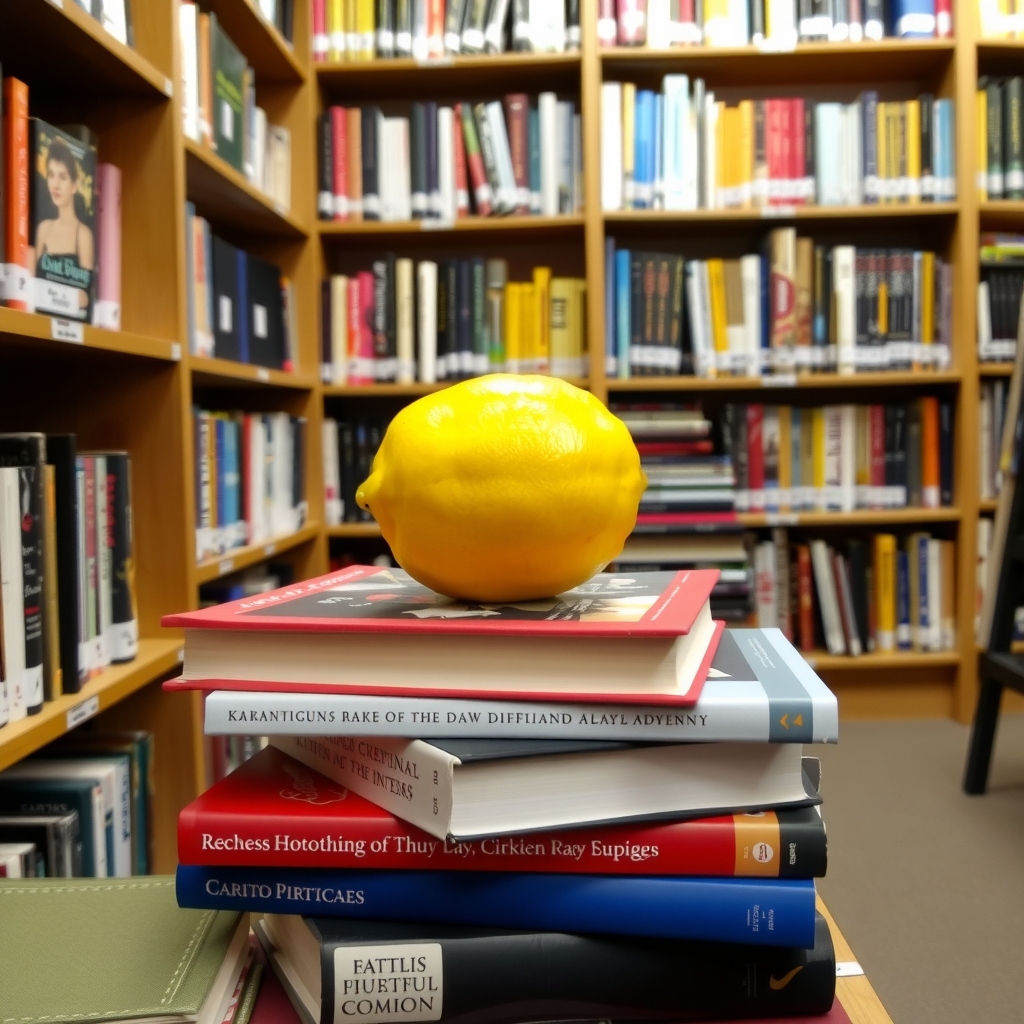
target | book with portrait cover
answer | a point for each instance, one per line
(619, 637)
(62, 226)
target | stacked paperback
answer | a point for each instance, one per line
(463, 807)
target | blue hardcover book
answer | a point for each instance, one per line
(944, 159)
(623, 321)
(763, 912)
(922, 627)
(904, 638)
(766, 313)
(869, 144)
(190, 275)
(242, 304)
(610, 360)
(643, 166)
(232, 478)
(533, 141)
(218, 460)
(20, 795)
(658, 169)
(913, 19)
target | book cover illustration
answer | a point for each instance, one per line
(63, 222)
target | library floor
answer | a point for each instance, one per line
(926, 883)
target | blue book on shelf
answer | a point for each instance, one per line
(610, 361)
(924, 612)
(766, 310)
(913, 19)
(623, 323)
(533, 130)
(904, 640)
(190, 275)
(218, 460)
(242, 304)
(643, 160)
(658, 154)
(232, 475)
(765, 912)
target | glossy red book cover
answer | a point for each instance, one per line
(273, 811)
(371, 599)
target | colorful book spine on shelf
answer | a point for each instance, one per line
(443, 163)
(250, 478)
(999, 290)
(476, 325)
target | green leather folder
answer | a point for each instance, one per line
(75, 951)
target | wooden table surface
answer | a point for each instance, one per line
(859, 1000)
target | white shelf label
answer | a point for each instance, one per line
(176, 351)
(436, 62)
(433, 224)
(782, 519)
(83, 712)
(778, 211)
(225, 566)
(66, 330)
(779, 380)
(269, 549)
(262, 373)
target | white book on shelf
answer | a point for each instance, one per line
(446, 164)
(828, 600)
(710, 150)
(187, 28)
(12, 692)
(405, 321)
(781, 25)
(279, 165)
(675, 107)
(420, 43)
(494, 32)
(507, 190)
(934, 555)
(611, 145)
(844, 299)
(659, 24)
(765, 585)
(847, 458)
(750, 278)
(332, 478)
(547, 26)
(402, 169)
(426, 297)
(258, 146)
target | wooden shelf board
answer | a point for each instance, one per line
(20, 328)
(988, 504)
(860, 517)
(526, 226)
(228, 373)
(91, 59)
(268, 53)
(224, 195)
(251, 554)
(807, 63)
(823, 661)
(155, 658)
(995, 369)
(354, 530)
(891, 378)
(783, 213)
(1001, 214)
(410, 390)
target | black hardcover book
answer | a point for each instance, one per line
(862, 296)
(674, 337)
(483, 132)
(994, 100)
(347, 468)
(371, 118)
(912, 455)
(636, 309)
(390, 315)
(225, 296)
(899, 447)
(56, 837)
(946, 452)
(444, 300)
(385, 28)
(363, 461)
(124, 620)
(265, 314)
(283, 22)
(901, 307)
(489, 975)
(433, 182)
(299, 464)
(521, 40)
(927, 105)
(450, 270)
(890, 446)
(60, 453)
(464, 320)
(857, 558)
(27, 452)
(418, 155)
(874, 19)
(403, 28)
(573, 34)
(1013, 145)
(480, 357)
(455, 11)
(324, 167)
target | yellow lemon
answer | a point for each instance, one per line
(505, 488)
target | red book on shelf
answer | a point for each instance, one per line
(876, 439)
(15, 193)
(320, 41)
(273, 811)
(632, 22)
(641, 638)
(461, 179)
(516, 107)
(773, 145)
(435, 28)
(755, 456)
(797, 150)
(805, 597)
(944, 18)
(339, 162)
(930, 452)
(785, 115)
(675, 447)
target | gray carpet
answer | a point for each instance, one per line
(926, 883)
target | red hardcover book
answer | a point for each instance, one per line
(797, 150)
(776, 170)
(805, 597)
(675, 447)
(461, 179)
(273, 811)
(516, 108)
(360, 367)
(943, 18)
(685, 519)
(632, 22)
(755, 455)
(785, 152)
(435, 28)
(649, 639)
(339, 160)
(320, 40)
(15, 193)
(607, 24)
(876, 425)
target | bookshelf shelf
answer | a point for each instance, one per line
(522, 228)
(1001, 214)
(156, 658)
(988, 504)
(825, 662)
(405, 390)
(270, 55)
(227, 373)
(90, 57)
(774, 214)
(861, 517)
(808, 63)
(251, 554)
(354, 530)
(19, 328)
(995, 369)
(780, 384)
(226, 197)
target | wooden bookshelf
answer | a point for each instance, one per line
(566, 225)
(782, 382)
(775, 214)
(252, 554)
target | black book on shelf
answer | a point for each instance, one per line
(324, 167)
(912, 455)
(226, 343)
(857, 559)
(363, 461)
(60, 453)
(265, 313)
(946, 452)
(464, 319)
(124, 619)
(418, 159)
(371, 124)
(433, 185)
(390, 314)
(385, 36)
(299, 465)
(347, 471)
(927, 105)
(403, 28)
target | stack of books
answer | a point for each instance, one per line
(466, 807)
(1001, 279)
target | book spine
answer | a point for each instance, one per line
(371, 131)
(516, 107)
(770, 913)
(461, 178)
(483, 196)
(17, 173)
(124, 634)
(107, 311)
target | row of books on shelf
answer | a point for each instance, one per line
(770, 24)
(683, 148)
(114, 15)
(361, 30)
(67, 593)
(795, 306)
(885, 594)
(444, 162)
(1001, 280)
(348, 448)
(449, 321)
(81, 808)
(60, 250)
(1000, 19)
(993, 401)
(250, 478)
(1000, 150)
(219, 106)
(240, 307)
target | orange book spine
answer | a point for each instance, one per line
(16, 173)
(930, 490)
(805, 597)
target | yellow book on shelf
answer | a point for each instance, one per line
(561, 313)
(336, 42)
(818, 457)
(913, 144)
(628, 145)
(719, 322)
(513, 327)
(927, 302)
(541, 318)
(578, 328)
(807, 491)
(366, 29)
(981, 137)
(351, 29)
(745, 154)
(885, 591)
(722, 149)
(527, 324)
(717, 23)
(785, 458)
